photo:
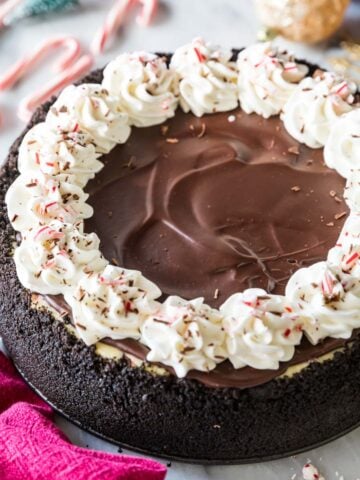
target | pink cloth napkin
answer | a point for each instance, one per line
(32, 447)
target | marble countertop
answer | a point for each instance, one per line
(230, 23)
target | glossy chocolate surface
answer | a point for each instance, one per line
(208, 207)
(211, 206)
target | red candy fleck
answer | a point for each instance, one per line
(49, 205)
(341, 88)
(199, 55)
(287, 333)
(353, 257)
(327, 284)
(127, 306)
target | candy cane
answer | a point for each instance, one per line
(6, 8)
(113, 20)
(25, 64)
(116, 17)
(148, 11)
(32, 101)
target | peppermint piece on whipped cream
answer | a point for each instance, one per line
(207, 78)
(112, 303)
(261, 330)
(346, 253)
(40, 199)
(143, 86)
(54, 257)
(329, 299)
(89, 108)
(342, 147)
(352, 191)
(53, 152)
(267, 78)
(185, 335)
(315, 105)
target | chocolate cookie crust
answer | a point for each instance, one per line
(164, 415)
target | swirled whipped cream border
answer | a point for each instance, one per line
(47, 205)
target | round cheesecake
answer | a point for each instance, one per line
(203, 204)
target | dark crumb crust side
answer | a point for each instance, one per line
(166, 415)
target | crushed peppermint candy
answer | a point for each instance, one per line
(310, 472)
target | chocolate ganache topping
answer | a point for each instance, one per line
(211, 206)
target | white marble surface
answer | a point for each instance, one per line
(231, 23)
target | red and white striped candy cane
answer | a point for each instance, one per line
(25, 64)
(113, 20)
(71, 74)
(116, 17)
(148, 12)
(6, 8)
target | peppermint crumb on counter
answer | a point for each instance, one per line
(231, 118)
(330, 224)
(295, 188)
(216, 294)
(172, 140)
(310, 472)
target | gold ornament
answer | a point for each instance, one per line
(307, 21)
(347, 62)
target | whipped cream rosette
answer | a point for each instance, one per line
(261, 330)
(267, 78)
(329, 298)
(144, 87)
(43, 198)
(112, 303)
(342, 149)
(207, 78)
(185, 335)
(315, 105)
(89, 108)
(53, 258)
(53, 152)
